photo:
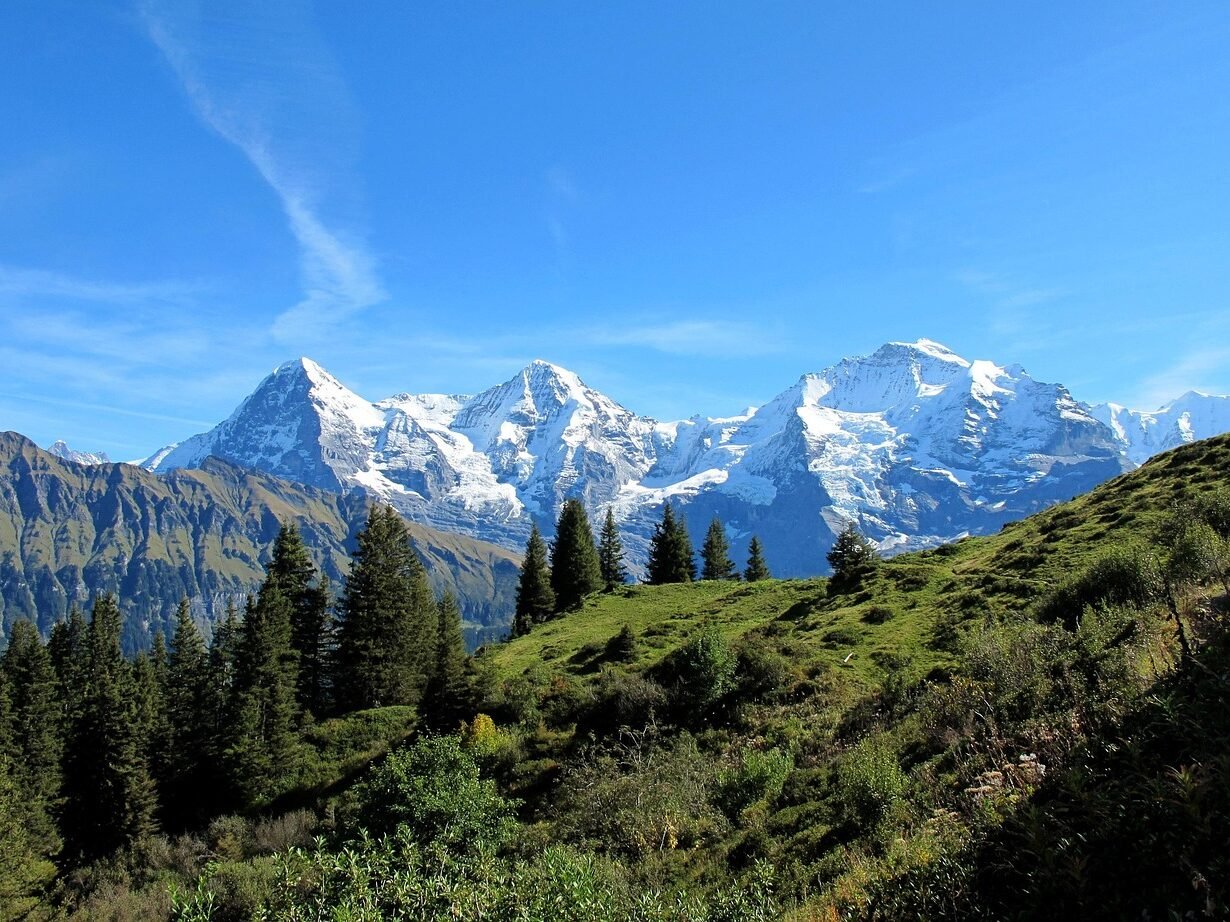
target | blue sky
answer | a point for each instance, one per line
(690, 204)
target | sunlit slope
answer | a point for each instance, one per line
(68, 531)
(905, 615)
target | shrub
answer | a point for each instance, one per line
(878, 614)
(433, 788)
(757, 778)
(622, 648)
(1121, 576)
(703, 672)
(623, 699)
(870, 779)
(761, 671)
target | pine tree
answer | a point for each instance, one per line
(109, 797)
(446, 692)
(291, 569)
(262, 751)
(69, 647)
(189, 792)
(24, 875)
(148, 689)
(387, 637)
(670, 550)
(852, 557)
(34, 728)
(535, 597)
(575, 572)
(757, 569)
(611, 554)
(716, 554)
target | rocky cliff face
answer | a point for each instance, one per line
(913, 442)
(69, 531)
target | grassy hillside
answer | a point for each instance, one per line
(890, 703)
(907, 610)
(68, 531)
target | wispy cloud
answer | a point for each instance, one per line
(1200, 369)
(242, 73)
(39, 283)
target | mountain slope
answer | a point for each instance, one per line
(916, 444)
(68, 531)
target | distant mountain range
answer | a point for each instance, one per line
(69, 530)
(914, 443)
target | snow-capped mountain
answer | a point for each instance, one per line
(61, 450)
(915, 443)
(1143, 434)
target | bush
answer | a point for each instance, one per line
(758, 778)
(870, 779)
(703, 673)
(433, 788)
(622, 699)
(878, 614)
(622, 648)
(761, 672)
(1121, 576)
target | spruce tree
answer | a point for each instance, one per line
(757, 569)
(716, 554)
(575, 572)
(69, 647)
(24, 873)
(670, 550)
(388, 634)
(535, 597)
(148, 689)
(852, 557)
(188, 792)
(446, 692)
(262, 751)
(34, 728)
(109, 797)
(291, 569)
(611, 554)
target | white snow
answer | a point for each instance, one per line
(909, 435)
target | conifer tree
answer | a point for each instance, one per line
(757, 569)
(291, 569)
(148, 689)
(189, 791)
(34, 729)
(611, 554)
(671, 558)
(109, 798)
(387, 637)
(70, 658)
(716, 554)
(575, 572)
(24, 874)
(852, 557)
(446, 692)
(535, 597)
(262, 750)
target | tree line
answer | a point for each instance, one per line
(557, 579)
(98, 751)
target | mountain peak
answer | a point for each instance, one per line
(928, 347)
(303, 367)
(61, 450)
